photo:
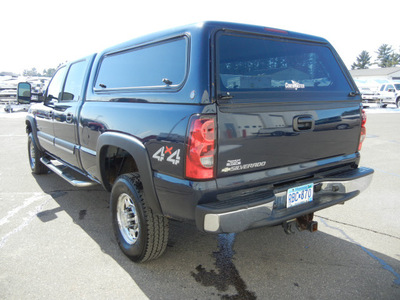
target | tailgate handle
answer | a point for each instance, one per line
(302, 123)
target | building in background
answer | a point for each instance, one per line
(374, 78)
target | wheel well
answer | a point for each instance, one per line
(117, 161)
(28, 127)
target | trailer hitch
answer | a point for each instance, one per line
(301, 223)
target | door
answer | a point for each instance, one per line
(66, 113)
(44, 112)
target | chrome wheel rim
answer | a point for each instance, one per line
(128, 221)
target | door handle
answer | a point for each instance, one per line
(303, 123)
(69, 118)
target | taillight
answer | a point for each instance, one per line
(363, 129)
(200, 152)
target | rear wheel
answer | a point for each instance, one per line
(141, 234)
(34, 155)
(398, 102)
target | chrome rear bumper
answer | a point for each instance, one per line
(224, 218)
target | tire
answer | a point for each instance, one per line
(34, 155)
(398, 102)
(141, 234)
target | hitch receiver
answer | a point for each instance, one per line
(301, 223)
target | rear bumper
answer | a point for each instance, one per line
(268, 208)
(371, 100)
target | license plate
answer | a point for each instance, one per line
(35, 97)
(299, 195)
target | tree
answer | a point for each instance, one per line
(31, 72)
(394, 59)
(387, 57)
(363, 61)
(49, 72)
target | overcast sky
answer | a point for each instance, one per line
(45, 33)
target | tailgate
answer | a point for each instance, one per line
(281, 103)
(264, 136)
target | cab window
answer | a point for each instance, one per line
(55, 87)
(388, 87)
(73, 84)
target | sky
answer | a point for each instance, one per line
(46, 33)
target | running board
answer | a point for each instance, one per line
(61, 171)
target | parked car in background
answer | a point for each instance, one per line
(389, 93)
(7, 94)
(369, 96)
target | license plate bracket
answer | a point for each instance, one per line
(300, 195)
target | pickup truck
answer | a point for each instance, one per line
(389, 93)
(225, 126)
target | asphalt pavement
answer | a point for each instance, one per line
(56, 241)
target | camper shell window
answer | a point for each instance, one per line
(156, 66)
(248, 63)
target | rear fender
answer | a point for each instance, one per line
(138, 151)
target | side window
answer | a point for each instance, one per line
(388, 87)
(153, 66)
(382, 88)
(74, 82)
(55, 86)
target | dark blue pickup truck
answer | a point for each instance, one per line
(227, 126)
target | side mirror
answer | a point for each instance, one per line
(391, 90)
(24, 93)
(50, 100)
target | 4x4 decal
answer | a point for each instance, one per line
(173, 157)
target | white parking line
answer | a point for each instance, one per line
(31, 215)
(27, 202)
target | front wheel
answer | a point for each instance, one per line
(34, 155)
(141, 234)
(398, 102)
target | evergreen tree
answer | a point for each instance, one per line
(31, 72)
(387, 57)
(394, 59)
(49, 72)
(363, 61)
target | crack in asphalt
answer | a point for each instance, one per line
(382, 262)
(359, 227)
